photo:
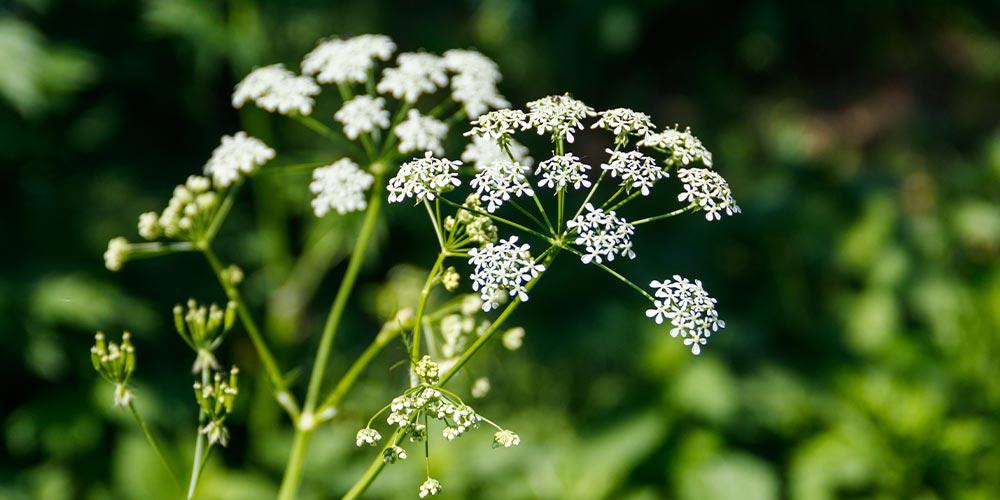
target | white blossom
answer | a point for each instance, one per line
(557, 115)
(367, 436)
(149, 226)
(482, 151)
(682, 148)
(347, 61)
(688, 307)
(499, 125)
(709, 191)
(424, 178)
(274, 88)
(513, 338)
(429, 487)
(561, 171)
(506, 439)
(340, 186)
(501, 179)
(190, 210)
(117, 253)
(362, 114)
(624, 122)
(237, 155)
(602, 234)
(500, 268)
(475, 81)
(416, 73)
(421, 133)
(636, 170)
(480, 388)
(464, 61)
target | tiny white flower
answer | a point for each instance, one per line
(368, 436)
(689, 309)
(274, 88)
(340, 186)
(117, 253)
(416, 73)
(561, 171)
(236, 156)
(421, 133)
(636, 170)
(503, 267)
(423, 179)
(506, 439)
(362, 114)
(149, 226)
(624, 122)
(430, 487)
(482, 151)
(558, 116)
(347, 61)
(709, 191)
(682, 147)
(602, 234)
(501, 179)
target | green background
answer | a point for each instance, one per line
(861, 283)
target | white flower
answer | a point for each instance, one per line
(149, 226)
(429, 487)
(682, 147)
(475, 82)
(362, 114)
(558, 115)
(274, 88)
(708, 190)
(123, 396)
(499, 125)
(216, 432)
(498, 181)
(347, 61)
(238, 155)
(340, 186)
(393, 454)
(513, 338)
(117, 253)
(637, 170)
(367, 436)
(424, 178)
(480, 388)
(689, 308)
(502, 267)
(421, 133)
(482, 151)
(602, 234)
(624, 122)
(506, 439)
(561, 171)
(463, 61)
(417, 73)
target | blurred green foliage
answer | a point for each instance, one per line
(861, 284)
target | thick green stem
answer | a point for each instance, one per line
(152, 443)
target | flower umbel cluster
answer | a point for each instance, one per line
(421, 133)
(274, 88)
(424, 178)
(216, 400)
(188, 214)
(362, 114)
(682, 147)
(115, 363)
(688, 307)
(708, 191)
(624, 122)
(340, 187)
(562, 171)
(498, 181)
(503, 268)
(203, 329)
(238, 155)
(558, 115)
(636, 170)
(347, 61)
(602, 234)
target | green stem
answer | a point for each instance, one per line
(496, 218)
(222, 212)
(615, 274)
(293, 470)
(666, 215)
(434, 222)
(347, 381)
(424, 293)
(328, 133)
(152, 443)
(626, 200)
(590, 194)
(199, 444)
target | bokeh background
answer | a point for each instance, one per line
(861, 284)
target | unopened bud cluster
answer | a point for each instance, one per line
(115, 363)
(216, 400)
(203, 329)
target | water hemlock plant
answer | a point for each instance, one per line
(497, 219)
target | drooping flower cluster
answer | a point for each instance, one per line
(429, 487)
(636, 170)
(216, 400)
(238, 155)
(115, 363)
(502, 268)
(416, 73)
(188, 214)
(603, 235)
(424, 178)
(274, 88)
(482, 151)
(624, 122)
(347, 61)
(506, 439)
(561, 171)
(558, 115)
(202, 329)
(688, 307)
(475, 81)
(339, 186)
(682, 147)
(361, 115)
(709, 191)
(421, 133)
(501, 179)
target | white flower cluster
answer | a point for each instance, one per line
(340, 186)
(689, 308)
(683, 148)
(709, 191)
(498, 181)
(362, 114)
(188, 214)
(637, 170)
(430, 487)
(368, 436)
(421, 133)
(404, 411)
(216, 400)
(347, 61)
(602, 234)
(506, 439)
(561, 171)
(115, 364)
(475, 81)
(423, 179)
(499, 125)
(238, 155)
(502, 268)
(274, 88)
(117, 253)
(416, 73)
(557, 115)
(624, 122)
(482, 151)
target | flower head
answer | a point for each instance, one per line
(362, 114)
(115, 364)
(424, 178)
(480, 388)
(189, 212)
(688, 307)
(427, 370)
(421, 133)
(709, 191)
(506, 439)
(203, 329)
(557, 115)
(499, 125)
(216, 400)
(624, 122)
(682, 147)
(393, 454)
(340, 186)
(368, 436)
(502, 268)
(417, 73)
(475, 81)
(482, 151)
(430, 487)
(274, 88)
(561, 171)
(117, 253)
(602, 234)
(347, 61)
(498, 181)
(238, 155)
(513, 338)
(636, 170)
